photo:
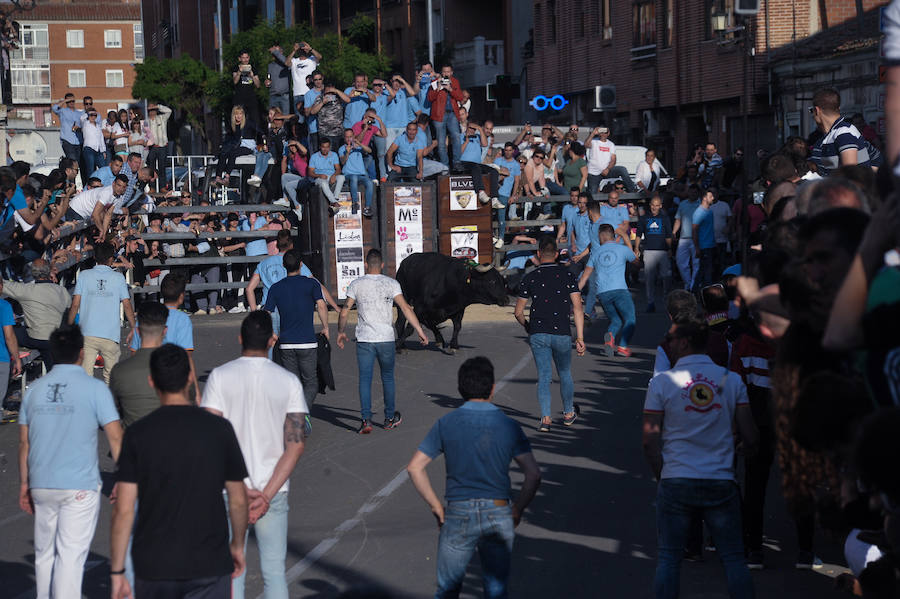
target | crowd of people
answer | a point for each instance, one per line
(792, 343)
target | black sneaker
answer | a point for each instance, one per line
(807, 560)
(755, 560)
(364, 428)
(393, 422)
(354, 207)
(367, 212)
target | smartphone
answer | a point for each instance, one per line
(758, 197)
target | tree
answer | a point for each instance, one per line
(180, 83)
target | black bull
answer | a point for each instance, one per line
(440, 288)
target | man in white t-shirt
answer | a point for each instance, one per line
(92, 204)
(602, 161)
(304, 62)
(689, 416)
(376, 295)
(265, 405)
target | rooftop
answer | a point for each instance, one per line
(77, 10)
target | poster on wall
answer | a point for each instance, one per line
(462, 194)
(407, 222)
(348, 245)
(464, 242)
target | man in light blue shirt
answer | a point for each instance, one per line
(325, 171)
(685, 256)
(179, 328)
(358, 98)
(704, 239)
(354, 169)
(60, 480)
(107, 174)
(569, 211)
(425, 77)
(98, 293)
(609, 261)
(69, 126)
(470, 159)
(613, 213)
(405, 155)
(398, 112)
(506, 192)
(311, 99)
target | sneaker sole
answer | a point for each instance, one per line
(570, 422)
(754, 566)
(393, 424)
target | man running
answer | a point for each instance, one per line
(265, 404)
(553, 291)
(376, 295)
(478, 442)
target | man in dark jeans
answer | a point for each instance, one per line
(475, 139)
(296, 298)
(478, 441)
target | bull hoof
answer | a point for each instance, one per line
(448, 350)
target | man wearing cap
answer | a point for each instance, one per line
(158, 118)
(69, 126)
(602, 161)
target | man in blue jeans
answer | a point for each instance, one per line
(478, 442)
(508, 190)
(608, 261)
(553, 292)
(376, 295)
(689, 415)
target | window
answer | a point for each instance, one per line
(74, 38)
(668, 22)
(30, 84)
(551, 21)
(605, 20)
(138, 41)
(34, 44)
(112, 38)
(115, 78)
(77, 79)
(644, 24)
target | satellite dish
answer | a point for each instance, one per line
(28, 147)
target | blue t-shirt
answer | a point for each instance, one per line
(7, 319)
(608, 262)
(295, 299)
(582, 227)
(356, 108)
(271, 270)
(613, 216)
(655, 229)
(406, 150)
(324, 165)
(62, 410)
(707, 233)
(472, 151)
(354, 164)
(685, 213)
(396, 110)
(255, 247)
(514, 169)
(101, 290)
(478, 442)
(105, 174)
(179, 330)
(380, 104)
(309, 98)
(569, 212)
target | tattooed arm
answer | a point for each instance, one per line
(294, 438)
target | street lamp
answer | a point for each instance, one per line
(719, 21)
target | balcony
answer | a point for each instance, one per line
(478, 62)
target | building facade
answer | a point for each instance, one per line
(88, 48)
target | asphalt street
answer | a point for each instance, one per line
(357, 522)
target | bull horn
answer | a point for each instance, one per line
(484, 267)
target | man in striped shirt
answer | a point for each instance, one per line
(842, 144)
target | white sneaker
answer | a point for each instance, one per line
(483, 197)
(299, 212)
(282, 202)
(543, 216)
(498, 244)
(545, 192)
(201, 313)
(495, 203)
(237, 309)
(254, 181)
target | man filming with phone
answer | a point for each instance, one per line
(246, 82)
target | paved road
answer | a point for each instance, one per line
(356, 521)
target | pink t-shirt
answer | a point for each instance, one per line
(367, 138)
(272, 246)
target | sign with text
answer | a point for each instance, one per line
(348, 245)
(464, 242)
(407, 222)
(462, 194)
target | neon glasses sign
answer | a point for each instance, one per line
(541, 103)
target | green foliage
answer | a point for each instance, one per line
(180, 83)
(362, 33)
(443, 53)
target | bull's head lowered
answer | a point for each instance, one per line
(487, 286)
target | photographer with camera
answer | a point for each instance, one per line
(445, 95)
(352, 155)
(246, 82)
(370, 128)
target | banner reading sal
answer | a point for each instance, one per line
(407, 222)
(348, 245)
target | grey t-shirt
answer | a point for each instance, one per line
(374, 295)
(128, 383)
(43, 304)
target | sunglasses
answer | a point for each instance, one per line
(812, 110)
(539, 156)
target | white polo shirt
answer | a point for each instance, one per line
(698, 401)
(255, 395)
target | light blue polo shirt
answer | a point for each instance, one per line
(608, 262)
(685, 213)
(102, 290)
(406, 150)
(613, 216)
(706, 235)
(380, 103)
(309, 98)
(324, 165)
(179, 330)
(356, 108)
(104, 173)
(396, 111)
(67, 118)
(472, 151)
(62, 411)
(354, 164)
(514, 169)
(271, 270)
(7, 319)
(582, 227)
(255, 247)
(569, 212)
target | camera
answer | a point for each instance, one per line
(445, 81)
(554, 140)
(371, 121)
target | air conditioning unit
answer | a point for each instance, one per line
(746, 7)
(651, 123)
(604, 98)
